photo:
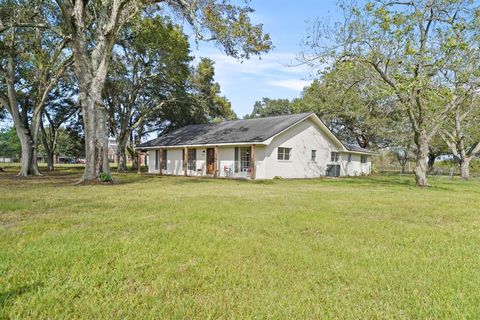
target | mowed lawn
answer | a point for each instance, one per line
(187, 248)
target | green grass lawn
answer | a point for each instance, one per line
(172, 247)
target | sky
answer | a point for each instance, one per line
(275, 75)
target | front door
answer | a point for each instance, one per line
(210, 160)
(333, 170)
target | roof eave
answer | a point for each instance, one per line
(200, 145)
(368, 153)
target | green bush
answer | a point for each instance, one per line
(105, 177)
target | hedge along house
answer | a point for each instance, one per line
(290, 146)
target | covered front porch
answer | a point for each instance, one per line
(236, 161)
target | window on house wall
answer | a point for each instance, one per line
(284, 153)
(192, 159)
(314, 155)
(157, 159)
(349, 157)
(333, 170)
(334, 157)
(244, 159)
(184, 165)
(164, 159)
(363, 159)
(237, 160)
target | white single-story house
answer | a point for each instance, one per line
(288, 146)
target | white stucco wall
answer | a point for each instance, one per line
(355, 167)
(301, 138)
(174, 162)
(225, 158)
(151, 161)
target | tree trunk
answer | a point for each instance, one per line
(29, 157)
(27, 153)
(431, 161)
(465, 168)
(134, 162)
(49, 144)
(121, 154)
(136, 142)
(35, 129)
(50, 164)
(96, 140)
(421, 163)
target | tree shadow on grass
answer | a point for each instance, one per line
(380, 180)
(8, 297)
(405, 180)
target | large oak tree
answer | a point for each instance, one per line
(409, 45)
(93, 27)
(32, 60)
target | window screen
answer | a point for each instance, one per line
(334, 157)
(237, 159)
(244, 159)
(164, 160)
(192, 159)
(284, 153)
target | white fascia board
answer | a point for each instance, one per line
(361, 152)
(204, 145)
(319, 124)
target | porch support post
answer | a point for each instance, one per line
(161, 161)
(252, 161)
(215, 160)
(185, 161)
(139, 163)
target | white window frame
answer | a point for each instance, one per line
(363, 159)
(334, 156)
(284, 154)
(192, 159)
(313, 155)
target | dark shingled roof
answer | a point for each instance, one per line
(355, 148)
(237, 131)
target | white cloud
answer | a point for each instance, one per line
(269, 63)
(292, 84)
(275, 75)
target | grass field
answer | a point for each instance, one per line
(165, 247)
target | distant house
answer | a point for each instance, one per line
(112, 150)
(290, 146)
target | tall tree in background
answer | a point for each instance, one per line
(149, 69)
(461, 133)
(210, 104)
(61, 106)
(32, 60)
(352, 104)
(407, 44)
(94, 26)
(270, 107)
(10, 146)
(461, 81)
(202, 102)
